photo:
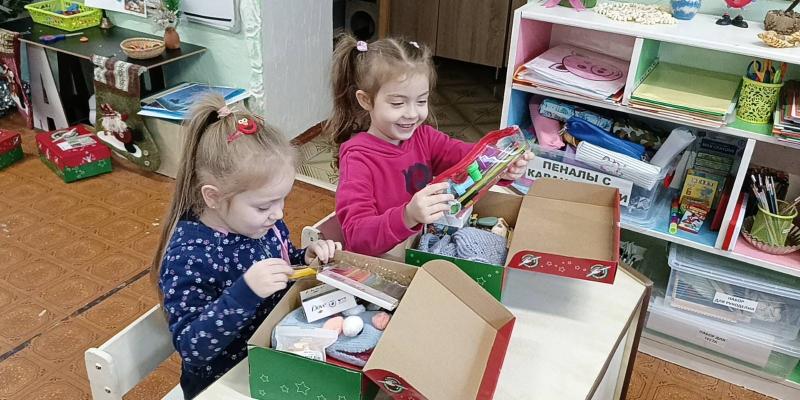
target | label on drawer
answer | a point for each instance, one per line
(541, 167)
(705, 334)
(738, 303)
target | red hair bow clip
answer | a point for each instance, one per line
(244, 126)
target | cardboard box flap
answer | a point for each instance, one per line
(440, 339)
(571, 219)
(576, 192)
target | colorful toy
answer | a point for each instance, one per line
(481, 168)
(738, 20)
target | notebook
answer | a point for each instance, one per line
(689, 89)
(577, 70)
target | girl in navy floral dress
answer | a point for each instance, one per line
(224, 257)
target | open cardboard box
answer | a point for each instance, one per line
(560, 227)
(568, 228)
(419, 356)
(489, 276)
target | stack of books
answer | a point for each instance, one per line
(575, 71)
(706, 98)
(787, 115)
(176, 103)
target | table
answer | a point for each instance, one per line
(72, 53)
(573, 339)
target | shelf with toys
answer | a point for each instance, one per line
(666, 114)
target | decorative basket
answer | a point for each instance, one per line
(792, 241)
(45, 13)
(142, 48)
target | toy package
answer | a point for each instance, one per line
(481, 168)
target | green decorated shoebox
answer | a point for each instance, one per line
(10, 148)
(74, 153)
(416, 353)
(489, 276)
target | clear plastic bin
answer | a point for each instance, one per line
(733, 292)
(749, 348)
(642, 202)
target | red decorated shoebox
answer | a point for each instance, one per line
(569, 229)
(10, 148)
(74, 153)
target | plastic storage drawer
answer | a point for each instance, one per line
(734, 292)
(749, 348)
(642, 202)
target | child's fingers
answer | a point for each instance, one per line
(439, 198)
(435, 188)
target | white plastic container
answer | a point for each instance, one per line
(639, 204)
(733, 292)
(749, 348)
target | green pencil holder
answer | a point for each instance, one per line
(773, 229)
(757, 101)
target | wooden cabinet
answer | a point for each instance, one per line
(415, 20)
(475, 31)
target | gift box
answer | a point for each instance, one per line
(10, 148)
(415, 353)
(74, 153)
(489, 276)
(571, 229)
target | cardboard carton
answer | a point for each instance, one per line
(569, 229)
(419, 356)
(488, 276)
(10, 148)
(74, 153)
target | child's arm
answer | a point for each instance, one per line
(444, 150)
(365, 230)
(203, 318)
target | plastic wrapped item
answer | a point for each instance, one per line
(481, 168)
(561, 111)
(734, 292)
(590, 133)
(306, 342)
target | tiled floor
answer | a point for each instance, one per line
(465, 104)
(73, 264)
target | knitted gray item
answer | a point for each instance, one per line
(478, 245)
(431, 243)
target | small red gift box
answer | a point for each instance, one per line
(10, 148)
(74, 153)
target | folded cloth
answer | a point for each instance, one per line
(354, 350)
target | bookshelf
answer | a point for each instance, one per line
(721, 49)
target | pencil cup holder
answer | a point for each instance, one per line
(771, 228)
(757, 101)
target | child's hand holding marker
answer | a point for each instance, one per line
(267, 277)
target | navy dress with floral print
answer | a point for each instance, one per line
(211, 310)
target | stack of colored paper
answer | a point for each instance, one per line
(677, 91)
(572, 70)
(787, 115)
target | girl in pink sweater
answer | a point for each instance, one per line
(387, 156)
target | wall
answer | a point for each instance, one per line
(297, 39)
(227, 61)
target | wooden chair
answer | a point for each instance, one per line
(123, 361)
